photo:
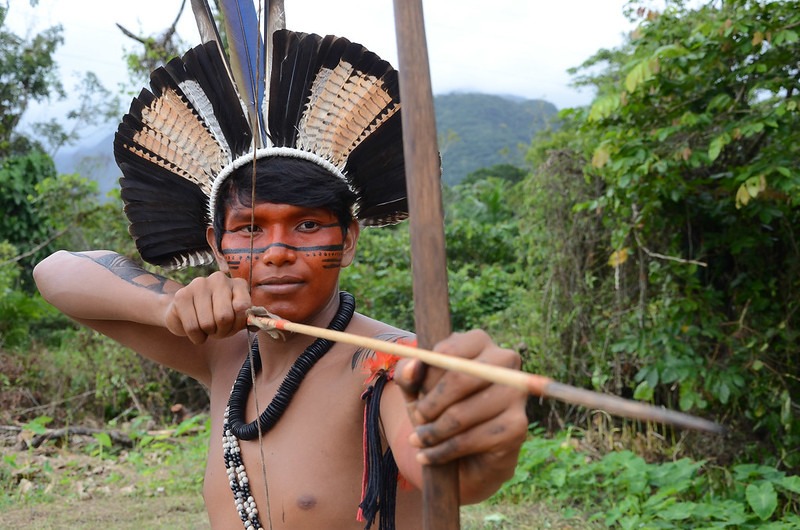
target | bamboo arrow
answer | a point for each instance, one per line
(536, 385)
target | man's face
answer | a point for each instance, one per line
(297, 253)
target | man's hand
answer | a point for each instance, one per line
(213, 306)
(462, 417)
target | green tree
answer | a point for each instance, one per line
(43, 211)
(481, 232)
(28, 73)
(482, 254)
(24, 226)
(507, 172)
(37, 207)
(690, 155)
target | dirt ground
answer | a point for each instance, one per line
(185, 512)
(56, 489)
(179, 512)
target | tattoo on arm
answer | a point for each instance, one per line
(362, 354)
(129, 271)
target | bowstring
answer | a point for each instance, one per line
(256, 134)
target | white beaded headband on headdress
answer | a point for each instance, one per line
(267, 152)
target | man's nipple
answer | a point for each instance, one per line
(306, 502)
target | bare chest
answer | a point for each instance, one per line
(306, 471)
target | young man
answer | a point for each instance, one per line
(289, 428)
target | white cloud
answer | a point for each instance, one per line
(516, 47)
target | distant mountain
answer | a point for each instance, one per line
(481, 130)
(94, 161)
(475, 131)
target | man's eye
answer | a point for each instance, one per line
(308, 226)
(247, 229)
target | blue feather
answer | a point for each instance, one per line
(247, 57)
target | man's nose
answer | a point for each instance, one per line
(278, 253)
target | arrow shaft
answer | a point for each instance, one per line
(532, 384)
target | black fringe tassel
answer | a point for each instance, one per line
(380, 492)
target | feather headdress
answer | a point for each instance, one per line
(328, 100)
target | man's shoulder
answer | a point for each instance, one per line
(369, 327)
(368, 359)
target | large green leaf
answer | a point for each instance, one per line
(762, 498)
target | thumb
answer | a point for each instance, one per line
(409, 374)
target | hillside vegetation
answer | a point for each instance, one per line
(482, 130)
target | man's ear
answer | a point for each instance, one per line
(350, 243)
(212, 242)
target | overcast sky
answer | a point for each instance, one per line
(515, 47)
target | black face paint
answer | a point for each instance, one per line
(331, 255)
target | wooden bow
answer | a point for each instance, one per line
(440, 490)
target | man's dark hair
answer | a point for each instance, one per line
(285, 180)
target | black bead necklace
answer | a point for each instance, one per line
(288, 387)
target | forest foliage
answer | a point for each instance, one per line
(647, 248)
(676, 275)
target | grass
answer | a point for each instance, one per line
(90, 484)
(621, 490)
(120, 512)
(523, 516)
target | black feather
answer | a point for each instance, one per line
(164, 210)
(375, 166)
(204, 65)
(292, 78)
(376, 170)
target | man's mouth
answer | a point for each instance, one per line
(279, 280)
(279, 285)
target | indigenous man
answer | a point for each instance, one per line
(306, 434)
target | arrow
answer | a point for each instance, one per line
(536, 385)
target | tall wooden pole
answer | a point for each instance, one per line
(429, 268)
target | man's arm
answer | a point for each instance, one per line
(482, 425)
(153, 315)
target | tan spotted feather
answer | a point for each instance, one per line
(174, 133)
(344, 107)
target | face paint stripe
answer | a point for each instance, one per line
(258, 250)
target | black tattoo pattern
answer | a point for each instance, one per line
(362, 353)
(129, 271)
